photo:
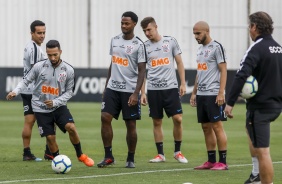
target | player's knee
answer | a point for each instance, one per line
(70, 127)
(106, 118)
(177, 120)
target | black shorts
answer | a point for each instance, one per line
(116, 101)
(46, 121)
(258, 125)
(208, 110)
(168, 99)
(27, 104)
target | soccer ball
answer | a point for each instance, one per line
(250, 88)
(61, 164)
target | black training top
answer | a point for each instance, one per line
(263, 60)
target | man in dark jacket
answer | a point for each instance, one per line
(263, 60)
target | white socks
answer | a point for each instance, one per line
(255, 170)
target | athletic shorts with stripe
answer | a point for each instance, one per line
(27, 104)
(168, 100)
(258, 125)
(46, 121)
(115, 101)
(208, 110)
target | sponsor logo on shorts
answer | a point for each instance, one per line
(40, 129)
(215, 117)
(103, 105)
(26, 108)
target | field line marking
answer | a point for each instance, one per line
(117, 174)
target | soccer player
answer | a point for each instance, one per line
(209, 95)
(162, 86)
(263, 60)
(32, 54)
(125, 78)
(53, 86)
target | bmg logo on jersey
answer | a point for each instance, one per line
(160, 62)
(120, 61)
(202, 66)
(50, 90)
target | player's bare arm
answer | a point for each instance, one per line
(194, 93)
(181, 73)
(220, 99)
(143, 94)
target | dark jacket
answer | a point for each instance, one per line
(263, 60)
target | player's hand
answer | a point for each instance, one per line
(220, 99)
(11, 95)
(193, 100)
(133, 99)
(144, 101)
(49, 103)
(228, 111)
(182, 89)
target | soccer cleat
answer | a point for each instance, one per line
(129, 164)
(106, 162)
(48, 155)
(86, 160)
(206, 165)
(158, 158)
(253, 179)
(219, 166)
(30, 157)
(180, 158)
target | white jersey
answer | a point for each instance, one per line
(32, 54)
(208, 58)
(161, 71)
(50, 83)
(126, 54)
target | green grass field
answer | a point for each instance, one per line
(87, 118)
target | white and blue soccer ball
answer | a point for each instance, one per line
(250, 88)
(61, 164)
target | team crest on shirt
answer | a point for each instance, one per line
(62, 77)
(129, 49)
(165, 48)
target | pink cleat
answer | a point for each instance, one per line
(220, 166)
(206, 165)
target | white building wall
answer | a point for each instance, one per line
(66, 21)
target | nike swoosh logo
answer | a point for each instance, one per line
(254, 178)
(179, 110)
(215, 117)
(133, 115)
